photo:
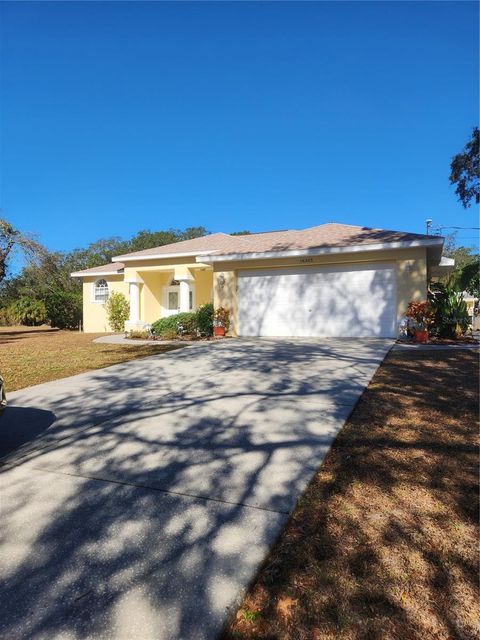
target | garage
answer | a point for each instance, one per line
(351, 300)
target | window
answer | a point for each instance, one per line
(100, 291)
(173, 303)
(174, 299)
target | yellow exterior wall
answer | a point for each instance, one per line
(94, 314)
(411, 268)
(226, 296)
(204, 286)
(151, 294)
(155, 275)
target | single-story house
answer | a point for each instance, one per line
(330, 280)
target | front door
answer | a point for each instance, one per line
(172, 301)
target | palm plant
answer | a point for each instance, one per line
(451, 316)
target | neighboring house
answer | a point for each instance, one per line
(472, 309)
(330, 280)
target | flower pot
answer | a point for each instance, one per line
(421, 336)
(218, 331)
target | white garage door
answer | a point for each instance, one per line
(334, 301)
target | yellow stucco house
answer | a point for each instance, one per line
(332, 280)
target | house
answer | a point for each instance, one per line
(472, 309)
(332, 280)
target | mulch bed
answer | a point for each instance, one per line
(461, 340)
(434, 340)
(384, 542)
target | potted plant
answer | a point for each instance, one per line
(221, 321)
(421, 315)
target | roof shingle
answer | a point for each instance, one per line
(331, 234)
(111, 268)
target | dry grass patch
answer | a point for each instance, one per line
(31, 355)
(384, 543)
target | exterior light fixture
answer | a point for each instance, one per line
(221, 280)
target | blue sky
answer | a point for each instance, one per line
(124, 116)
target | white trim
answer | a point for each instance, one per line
(155, 256)
(134, 299)
(184, 278)
(83, 274)
(445, 266)
(318, 251)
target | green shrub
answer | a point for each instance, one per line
(188, 325)
(205, 319)
(450, 311)
(7, 316)
(64, 309)
(118, 310)
(29, 312)
(187, 320)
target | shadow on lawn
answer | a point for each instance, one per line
(235, 421)
(16, 334)
(383, 543)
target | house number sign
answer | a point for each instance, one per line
(306, 260)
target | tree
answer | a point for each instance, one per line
(465, 171)
(46, 277)
(192, 232)
(64, 309)
(95, 254)
(465, 276)
(147, 239)
(469, 277)
(12, 239)
(29, 312)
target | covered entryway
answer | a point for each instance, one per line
(352, 300)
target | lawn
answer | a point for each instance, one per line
(384, 543)
(31, 355)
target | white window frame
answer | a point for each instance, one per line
(95, 289)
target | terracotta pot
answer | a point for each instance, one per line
(218, 331)
(421, 336)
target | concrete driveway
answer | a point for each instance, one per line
(138, 501)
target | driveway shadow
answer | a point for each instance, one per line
(21, 425)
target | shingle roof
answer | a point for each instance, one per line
(331, 234)
(110, 269)
(211, 242)
(325, 235)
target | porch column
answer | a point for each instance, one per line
(184, 294)
(134, 303)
